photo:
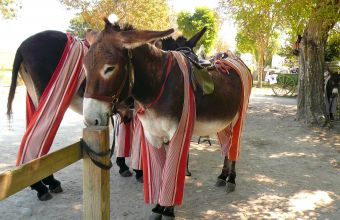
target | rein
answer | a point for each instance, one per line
(91, 152)
(113, 100)
(165, 80)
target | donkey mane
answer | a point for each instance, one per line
(117, 27)
(170, 43)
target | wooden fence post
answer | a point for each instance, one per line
(96, 188)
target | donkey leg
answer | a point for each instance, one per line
(231, 184)
(139, 175)
(168, 213)
(222, 178)
(199, 140)
(124, 170)
(157, 212)
(53, 185)
(187, 172)
(43, 194)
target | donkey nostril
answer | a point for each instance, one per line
(96, 122)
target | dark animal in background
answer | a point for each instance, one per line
(157, 76)
(36, 59)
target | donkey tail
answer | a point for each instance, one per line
(15, 71)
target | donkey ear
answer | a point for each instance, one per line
(91, 35)
(193, 41)
(108, 24)
(135, 38)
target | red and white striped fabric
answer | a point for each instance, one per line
(124, 139)
(129, 142)
(136, 151)
(229, 138)
(164, 171)
(43, 122)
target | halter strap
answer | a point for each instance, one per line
(115, 98)
(162, 88)
(99, 97)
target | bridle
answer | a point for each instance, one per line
(113, 101)
(115, 98)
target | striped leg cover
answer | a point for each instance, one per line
(43, 122)
(124, 139)
(229, 138)
(136, 154)
(164, 171)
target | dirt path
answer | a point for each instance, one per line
(286, 171)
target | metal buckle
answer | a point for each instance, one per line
(114, 99)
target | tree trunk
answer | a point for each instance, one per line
(260, 67)
(311, 76)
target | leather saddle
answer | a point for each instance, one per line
(199, 73)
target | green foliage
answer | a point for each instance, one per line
(190, 24)
(296, 15)
(332, 50)
(259, 21)
(257, 25)
(9, 8)
(78, 26)
(246, 44)
(290, 59)
(142, 14)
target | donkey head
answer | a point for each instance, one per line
(107, 68)
(172, 44)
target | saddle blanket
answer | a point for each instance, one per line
(43, 122)
(229, 137)
(164, 170)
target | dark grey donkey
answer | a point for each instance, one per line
(36, 59)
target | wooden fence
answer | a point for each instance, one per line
(96, 190)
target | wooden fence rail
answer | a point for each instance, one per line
(95, 180)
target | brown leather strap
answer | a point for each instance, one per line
(114, 99)
(99, 97)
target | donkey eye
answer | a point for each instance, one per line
(109, 69)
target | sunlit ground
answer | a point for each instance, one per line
(285, 171)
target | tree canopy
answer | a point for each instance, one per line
(9, 8)
(332, 50)
(189, 24)
(259, 20)
(142, 14)
(78, 26)
(257, 25)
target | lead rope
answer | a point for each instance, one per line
(114, 123)
(91, 152)
(109, 152)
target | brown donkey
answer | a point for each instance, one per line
(122, 64)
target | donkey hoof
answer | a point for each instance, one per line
(44, 197)
(140, 179)
(166, 217)
(155, 216)
(220, 182)
(56, 189)
(126, 173)
(230, 187)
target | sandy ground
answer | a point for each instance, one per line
(286, 171)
